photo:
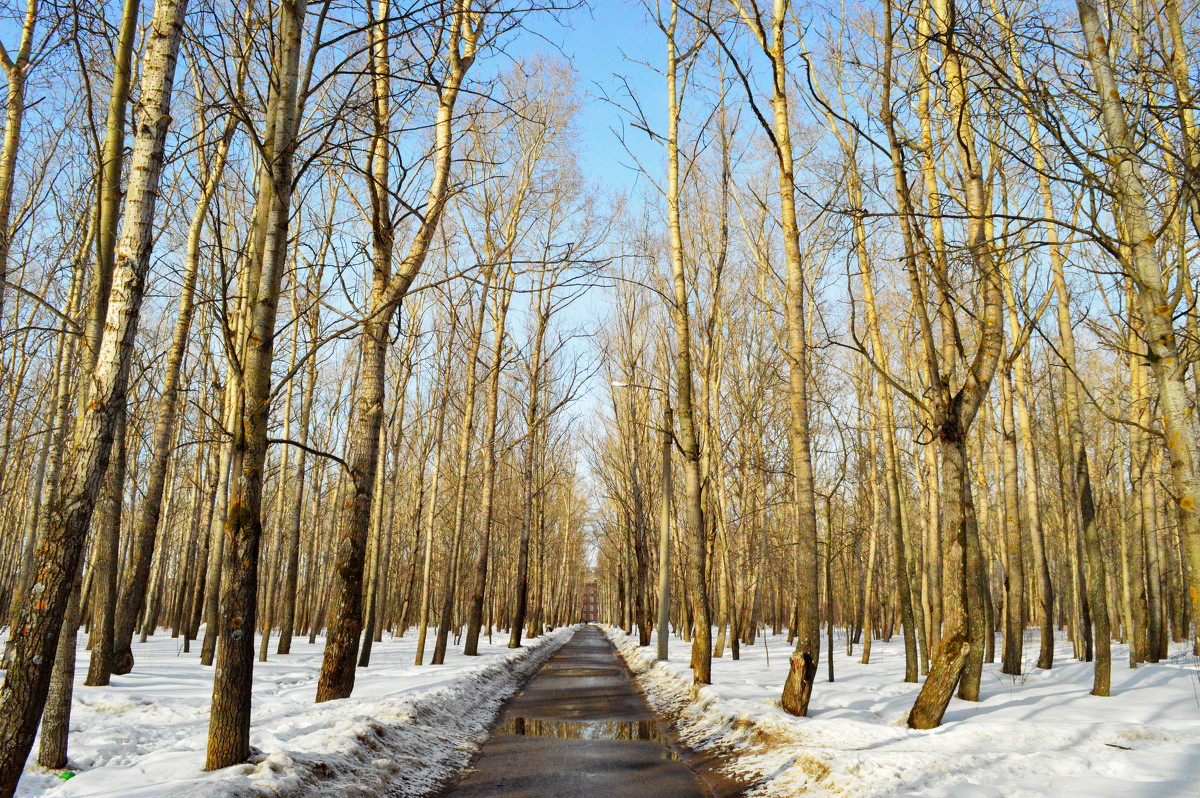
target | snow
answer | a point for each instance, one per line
(1036, 734)
(407, 728)
(403, 731)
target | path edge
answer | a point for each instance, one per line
(455, 721)
(740, 744)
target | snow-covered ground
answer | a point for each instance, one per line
(1032, 735)
(405, 727)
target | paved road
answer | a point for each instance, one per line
(580, 728)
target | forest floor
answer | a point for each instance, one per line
(409, 727)
(1031, 735)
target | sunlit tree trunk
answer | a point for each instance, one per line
(956, 410)
(16, 71)
(375, 572)
(466, 436)
(1142, 478)
(300, 481)
(431, 501)
(874, 520)
(229, 727)
(688, 438)
(108, 203)
(49, 469)
(529, 461)
(897, 521)
(501, 299)
(770, 36)
(56, 717)
(66, 522)
(211, 608)
(1066, 349)
(133, 593)
(387, 290)
(1014, 575)
(1130, 196)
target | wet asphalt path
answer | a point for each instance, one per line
(580, 728)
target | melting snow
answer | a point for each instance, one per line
(405, 730)
(1031, 735)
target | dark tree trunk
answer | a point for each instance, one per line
(107, 553)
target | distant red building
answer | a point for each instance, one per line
(591, 598)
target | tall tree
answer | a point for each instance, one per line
(66, 521)
(16, 71)
(254, 347)
(770, 34)
(1143, 265)
(954, 409)
(464, 26)
(688, 436)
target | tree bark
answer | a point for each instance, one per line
(229, 728)
(896, 518)
(106, 554)
(687, 438)
(133, 594)
(1014, 576)
(466, 435)
(431, 505)
(487, 501)
(959, 654)
(65, 524)
(1020, 381)
(16, 71)
(387, 290)
(528, 470)
(1130, 195)
(108, 205)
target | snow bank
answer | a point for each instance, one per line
(1036, 734)
(402, 733)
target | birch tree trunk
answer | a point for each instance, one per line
(106, 553)
(16, 71)
(133, 594)
(229, 728)
(387, 290)
(66, 521)
(49, 467)
(108, 204)
(56, 717)
(1130, 195)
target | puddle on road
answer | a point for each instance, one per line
(620, 730)
(564, 671)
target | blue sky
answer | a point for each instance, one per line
(610, 45)
(604, 42)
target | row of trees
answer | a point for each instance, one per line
(291, 326)
(919, 296)
(286, 341)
